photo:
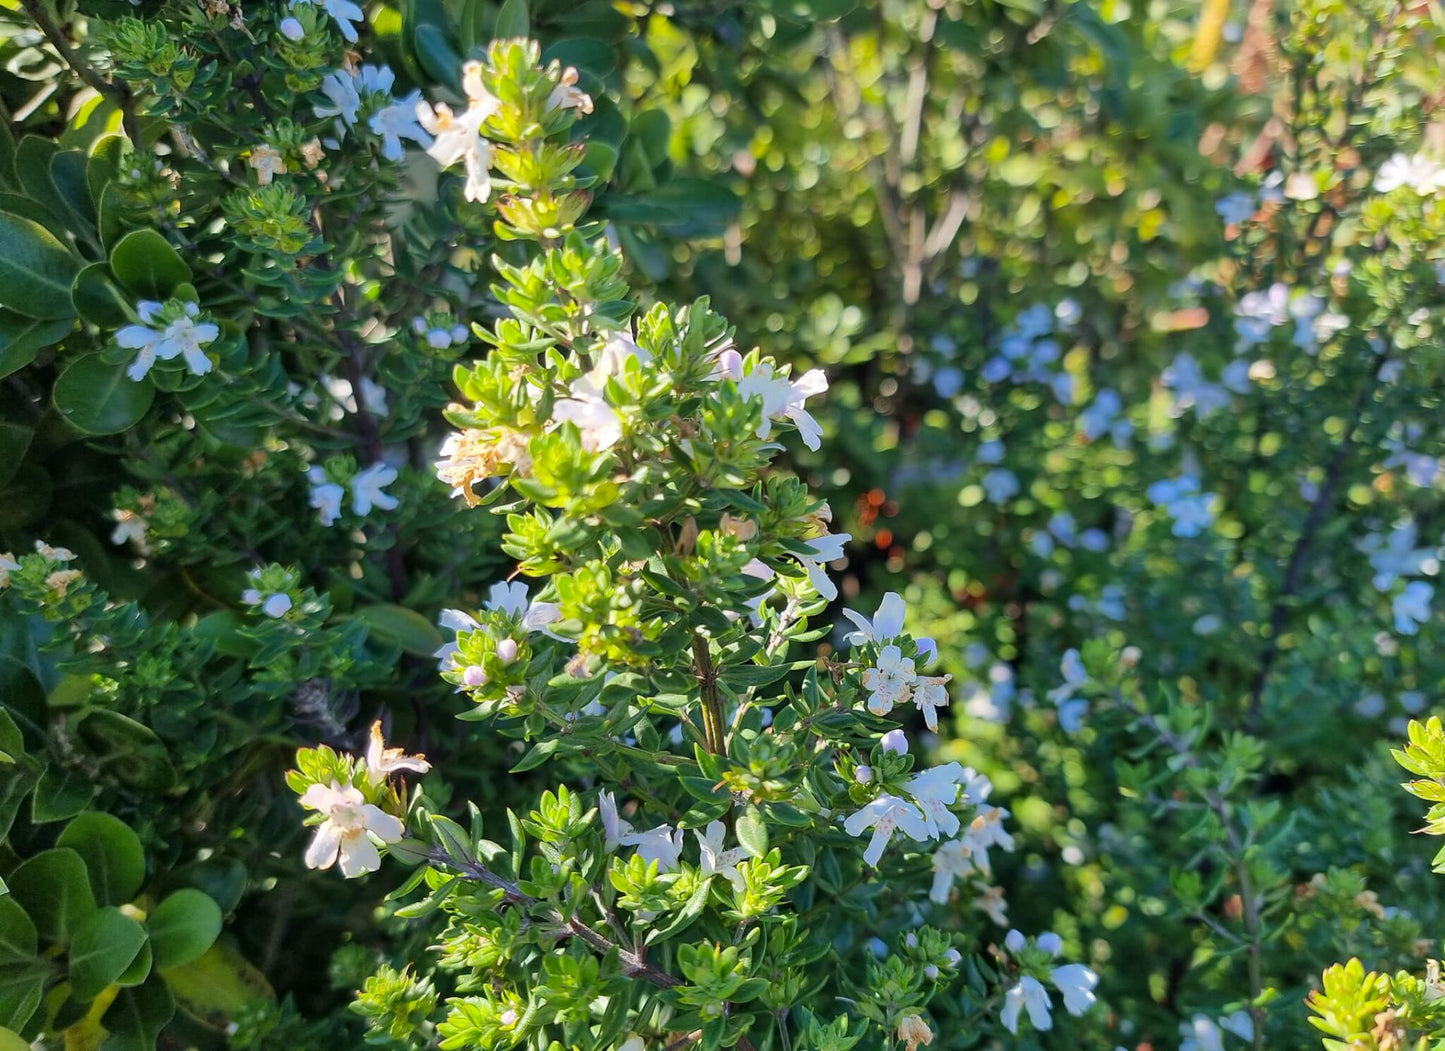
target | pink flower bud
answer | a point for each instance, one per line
(863, 775)
(894, 741)
(472, 675)
(507, 650)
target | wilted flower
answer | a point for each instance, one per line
(383, 761)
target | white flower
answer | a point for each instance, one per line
(1028, 993)
(326, 496)
(1421, 174)
(343, 12)
(930, 695)
(459, 137)
(383, 761)
(783, 397)
(598, 422)
(456, 621)
(822, 550)
(129, 528)
(566, 95)
(1412, 607)
(662, 844)
(951, 861)
(512, 598)
(181, 337)
(346, 833)
(715, 860)
(367, 486)
(883, 815)
(613, 827)
(1076, 982)
(890, 682)
(8, 565)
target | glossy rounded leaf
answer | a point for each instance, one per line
(97, 397)
(36, 270)
(183, 926)
(114, 858)
(145, 263)
(104, 945)
(98, 300)
(53, 889)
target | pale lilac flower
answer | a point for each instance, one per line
(395, 121)
(1000, 485)
(1412, 607)
(181, 337)
(935, 790)
(1235, 208)
(326, 496)
(367, 489)
(343, 12)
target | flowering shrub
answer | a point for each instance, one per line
(969, 648)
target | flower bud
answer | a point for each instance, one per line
(863, 775)
(894, 741)
(507, 650)
(292, 29)
(277, 605)
(473, 675)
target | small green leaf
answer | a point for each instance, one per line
(147, 265)
(103, 946)
(753, 832)
(183, 926)
(97, 397)
(114, 858)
